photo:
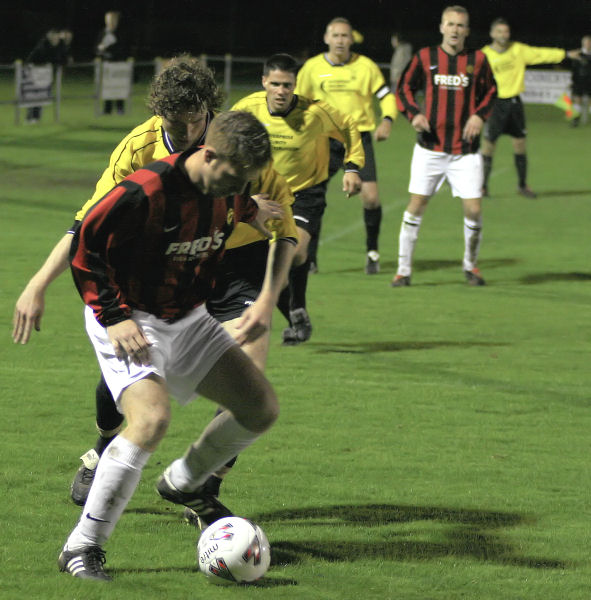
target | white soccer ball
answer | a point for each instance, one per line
(233, 550)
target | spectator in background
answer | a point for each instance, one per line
(54, 48)
(111, 47)
(400, 58)
(581, 85)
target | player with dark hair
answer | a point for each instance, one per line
(184, 99)
(144, 261)
(299, 129)
(351, 83)
(508, 61)
(459, 95)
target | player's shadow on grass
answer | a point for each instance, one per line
(558, 193)
(536, 278)
(372, 347)
(422, 265)
(469, 534)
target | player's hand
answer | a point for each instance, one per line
(27, 314)
(259, 225)
(383, 130)
(268, 209)
(574, 54)
(351, 184)
(254, 322)
(472, 128)
(420, 123)
(129, 342)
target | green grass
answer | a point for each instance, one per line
(433, 442)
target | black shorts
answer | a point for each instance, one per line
(308, 208)
(581, 88)
(337, 156)
(241, 273)
(507, 117)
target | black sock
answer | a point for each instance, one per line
(487, 165)
(108, 417)
(313, 248)
(283, 303)
(521, 166)
(102, 443)
(298, 283)
(372, 218)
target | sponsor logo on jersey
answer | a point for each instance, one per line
(452, 81)
(182, 251)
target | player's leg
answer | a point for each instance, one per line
(427, 171)
(494, 127)
(585, 101)
(146, 407)
(520, 158)
(577, 109)
(465, 177)
(300, 326)
(472, 238)
(236, 384)
(372, 209)
(517, 130)
(488, 152)
(407, 239)
(308, 209)
(108, 423)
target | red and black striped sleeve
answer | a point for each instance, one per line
(486, 86)
(411, 81)
(101, 236)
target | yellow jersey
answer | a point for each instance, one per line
(508, 66)
(299, 137)
(349, 87)
(149, 142)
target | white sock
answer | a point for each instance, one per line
(472, 237)
(117, 475)
(409, 231)
(223, 439)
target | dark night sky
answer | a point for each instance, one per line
(156, 28)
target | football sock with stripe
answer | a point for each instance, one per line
(409, 232)
(472, 237)
(116, 479)
(222, 439)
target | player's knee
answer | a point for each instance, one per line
(151, 428)
(371, 198)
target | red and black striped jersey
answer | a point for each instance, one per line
(455, 88)
(153, 243)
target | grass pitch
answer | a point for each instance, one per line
(433, 442)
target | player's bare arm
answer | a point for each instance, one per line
(420, 123)
(351, 183)
(472, 128)
(30, 306)
(383, 130)
(129, 342)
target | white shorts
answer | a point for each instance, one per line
(429, 169)
(182, 352)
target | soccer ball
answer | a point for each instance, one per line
(233, 550)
